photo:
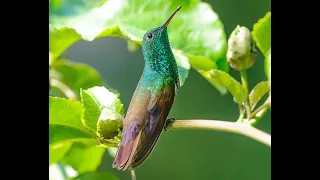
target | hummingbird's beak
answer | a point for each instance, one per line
(168, 21)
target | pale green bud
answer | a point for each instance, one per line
(241, 54)
(109, 127)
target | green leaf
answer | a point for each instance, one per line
(196, 29)
(60, 11)
(83, 158)
(65, 112)
(65, 122)
(183, 66)
(74, 76)
(96, 176)
(223, 79)
(262, 36)
(57, 151)
(262, 33)
(62, 8)
(132, 45)
(65, 134)
(201, 64)
(61, 39)
(94, 100)
(267, 66)
(258, 92)
(50, 58)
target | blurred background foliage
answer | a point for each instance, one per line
(188, 154)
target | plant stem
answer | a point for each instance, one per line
(244, 80)
(133, 174)
(225, 126)
(62, 170)
(265, 105)
(241, 113)
(64, 88)
(259, 115)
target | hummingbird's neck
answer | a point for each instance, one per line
(165, 66)
(160, 59)
(161, 68)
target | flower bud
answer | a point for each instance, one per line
(109, 127)
(241, 54)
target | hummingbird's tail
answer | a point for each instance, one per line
(125, 154)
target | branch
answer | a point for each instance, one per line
(232, 127)
(244, 80)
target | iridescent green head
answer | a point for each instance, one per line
(156, 47)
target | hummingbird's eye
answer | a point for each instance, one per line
(149, 35)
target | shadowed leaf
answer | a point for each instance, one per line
(96, 176)
(258, 92)
(74, 76)
(223, 79)
(57, 151)
(65, 134)
(83, 158)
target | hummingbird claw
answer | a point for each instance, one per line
(167, 121)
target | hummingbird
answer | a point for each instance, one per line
(151, 101)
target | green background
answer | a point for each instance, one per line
(189, 154)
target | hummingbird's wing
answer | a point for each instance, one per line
(144, 123)
(158, 110)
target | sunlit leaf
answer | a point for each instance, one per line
(262, 33)
(267, 66)
(196, 29)
(65, 122)
(61, 39)
(65, 112)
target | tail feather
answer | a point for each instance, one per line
(125, 154)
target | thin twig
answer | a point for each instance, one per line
(241, 112)
(244, 80)
(264, 105)
(64, 88)
(62, 170)
(225, 126)
(133, 174)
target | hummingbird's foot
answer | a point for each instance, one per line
(167, 121)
